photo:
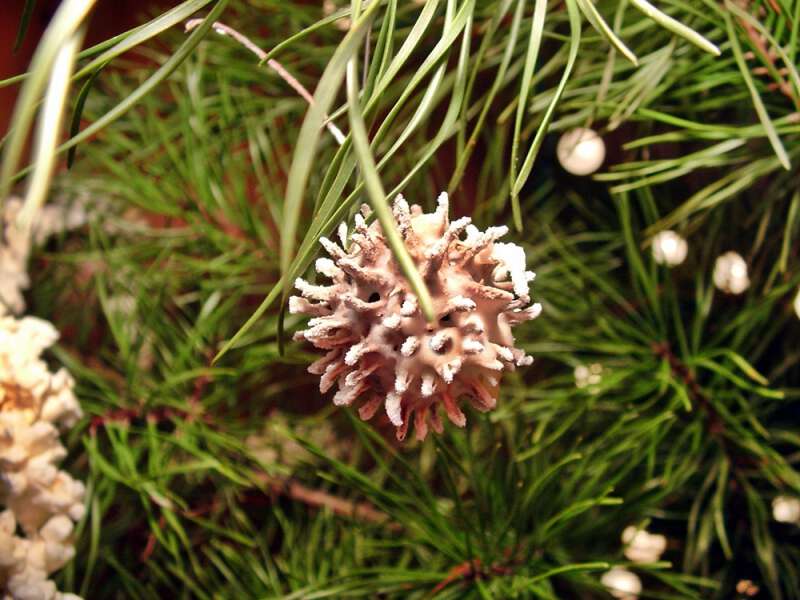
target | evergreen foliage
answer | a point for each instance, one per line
(215, 469)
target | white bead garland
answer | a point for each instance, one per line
(581, 151)
(669, 248)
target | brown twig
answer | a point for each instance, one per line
(473, 569)
(696, 394)
(361, 511)
(770, 56)
(273, 64)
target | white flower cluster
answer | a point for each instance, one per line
(40, 503)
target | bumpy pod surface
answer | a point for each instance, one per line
(381, 349)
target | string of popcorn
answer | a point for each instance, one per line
(39, 504)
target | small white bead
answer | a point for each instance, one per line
(643, 546)
(797, 304)
(786, 509)
(669, 248)
(581, 151)
(622, 584)
(730, 273)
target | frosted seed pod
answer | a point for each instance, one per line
(380, 348)
(581, 151)
(669, 248)
(730, 273)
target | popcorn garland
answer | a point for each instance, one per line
(41, 503)
(380, 346)
(15, 244)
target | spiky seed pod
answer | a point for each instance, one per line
(382, 350)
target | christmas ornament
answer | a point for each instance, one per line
(641, 546)
(622, 584)
(581, 151)
(797, 304)
(40, 502)
(786, 509)
(730, 273)
(380, 346)
(669, 248)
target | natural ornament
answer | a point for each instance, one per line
(380, 346)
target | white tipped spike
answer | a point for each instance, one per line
(450, 370)
(438, 341)
(427, 386)
(355, 353)
(345, 396)
(473, 235)
(312, 292)
(402, 381)
(457, 226)
(394, 409)
(331, 248)
(463, 303)
(365, 210)
(511, 258)
(504, 352)
(392, 322)
(327, 267)
(361, 224)
(409, 306)
(525, 360)
(473, 325)
(342, 233)
(409, 346)
(443, 204)
(472, 346)
(295, 305)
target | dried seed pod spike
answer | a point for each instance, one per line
(382, 349)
